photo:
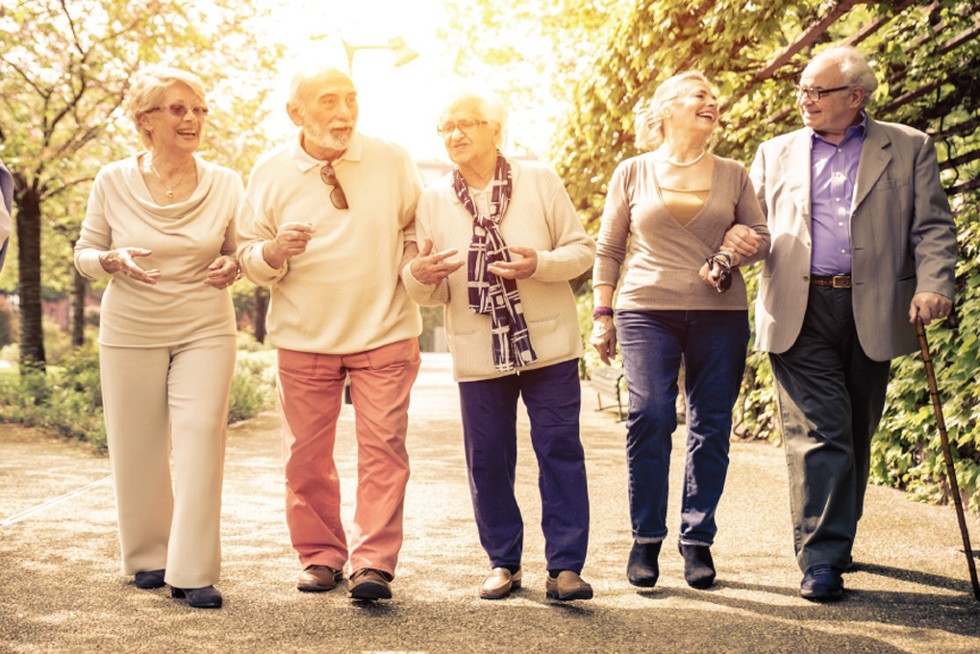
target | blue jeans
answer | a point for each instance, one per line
(553, 397)
(712, 344)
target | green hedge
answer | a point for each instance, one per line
(67, 401)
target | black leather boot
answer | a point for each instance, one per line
(642, 569)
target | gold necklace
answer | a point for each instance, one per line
(170, 187)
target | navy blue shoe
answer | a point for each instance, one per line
(149, 579)
(822, 583)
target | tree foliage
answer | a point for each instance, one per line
(65, 70)
(925, 57)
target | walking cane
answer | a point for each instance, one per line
(954, 486)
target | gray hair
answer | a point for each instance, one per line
(649, 114)
(148, 87)
(488, 106)
(853, 66)
(306, 72)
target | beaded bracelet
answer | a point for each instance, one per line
(598, 312)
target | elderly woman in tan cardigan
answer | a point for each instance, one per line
(681, 298)
(161, 224)
(513, 332)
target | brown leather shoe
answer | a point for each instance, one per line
(499, 583)
(368, 584)
(318, 579)
(566, 586)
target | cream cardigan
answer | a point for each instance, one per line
(540, 216)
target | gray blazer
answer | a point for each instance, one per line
(903, 238)
(7, 190)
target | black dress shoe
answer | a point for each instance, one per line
(149, 579)
(822, 583)
(200, 598)
(699, 568)
(642, 569)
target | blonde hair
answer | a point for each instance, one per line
(148, 87)
(649, 114)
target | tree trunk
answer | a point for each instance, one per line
(29, 281)
(78, 310)
(260, 309)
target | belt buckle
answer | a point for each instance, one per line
(840, 281)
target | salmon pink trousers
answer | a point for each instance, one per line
(311, 388)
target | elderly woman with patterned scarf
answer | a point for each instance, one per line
(513, 332)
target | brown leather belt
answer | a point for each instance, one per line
(834, 281)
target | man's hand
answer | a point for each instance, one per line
(430, 268)
(122, 261)
(290, 240)
(222, 272)
(521, 267)
(603, 338)
(741, 240)
(929, 306)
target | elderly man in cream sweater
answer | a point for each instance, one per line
(325, 222)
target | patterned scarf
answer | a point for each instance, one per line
(489, 294)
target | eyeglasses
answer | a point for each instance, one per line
(466, 126)
(329, 177)
(815, 95)
(180, 110)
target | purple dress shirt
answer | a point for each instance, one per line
(833, 172)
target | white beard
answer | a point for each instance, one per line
(323, 138)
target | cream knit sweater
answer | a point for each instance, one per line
(185, 237)
(343, 294)
(653, 258)
(540, 216)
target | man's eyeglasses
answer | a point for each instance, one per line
(329, 177)
(180, 110)
(466, 126)
(815, 95)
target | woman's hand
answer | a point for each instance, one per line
(223, 272)
(122, 261)
(430, 268)
(603, 338)
(716, 271)
(520, 267)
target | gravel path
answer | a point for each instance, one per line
(61, 590)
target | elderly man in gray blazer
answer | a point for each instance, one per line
(863, 245)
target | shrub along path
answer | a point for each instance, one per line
(60, 588)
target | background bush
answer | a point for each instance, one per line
(67, 400)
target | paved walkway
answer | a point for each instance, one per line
(61, 591)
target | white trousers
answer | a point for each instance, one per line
(158, 400)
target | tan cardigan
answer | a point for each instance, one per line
(540, 216)
(653, 258)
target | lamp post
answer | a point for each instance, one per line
(403, 53)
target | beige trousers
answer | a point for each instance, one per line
(159, 400)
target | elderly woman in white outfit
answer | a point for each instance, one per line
(161, 224)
